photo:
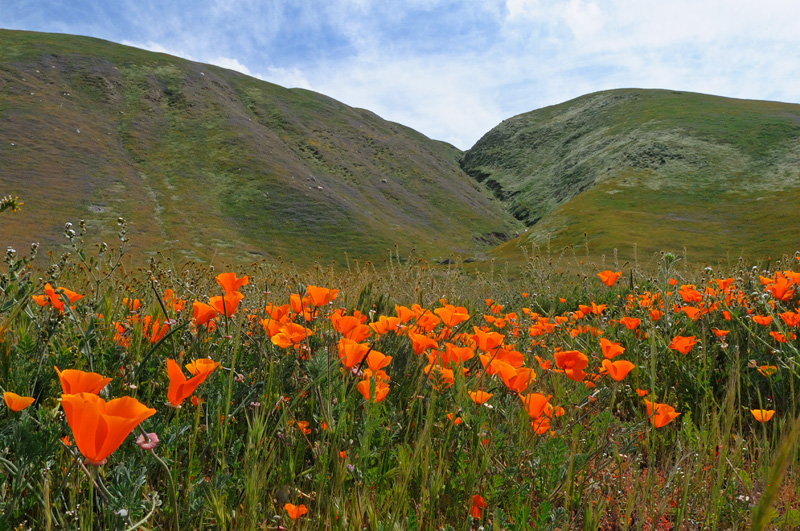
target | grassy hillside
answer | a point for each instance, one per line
(661, 170)
(213, 163)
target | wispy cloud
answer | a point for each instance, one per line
(454, 69)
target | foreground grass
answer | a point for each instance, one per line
(283, 421)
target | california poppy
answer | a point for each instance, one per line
(683, 344)
(295, 511)
(630, 322)
(202, 313)
(99, 427)
(663, 415)
(480, 397)
(179, 387)
(321, 296)
(226, 304)
(230, 283)
(618, 369)
(16, 402)
(762, 415)
(380, 386)
(53, 296)
(768, 370)
(202, 366)
(610, 349)
(377, 360)
(74, 381)
(535, 404)
(452, 315)
(351, 352)
(609, 277)
(478, 505)
(763, 320)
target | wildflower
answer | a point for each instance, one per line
(10, 203)
(381, 389)
(719, 332)
(454, 419)
(641, 392)
(147, 443)
(630, 322)
(226, 304)
(683, 344)
(343, 454)
(99, 427)
(610, 349)
(321, 296)
(295, 511)
(660, 414)
(53, 296)
(487, 341)
(618, 369)
(762, 415)
(609, 277)
(452, 315)
(303, 426)
(179, 387)
(478, 505)
(763, 320)
(377, 360)
(202, 366)
(351, 352)
(202, 313)
(572, 362)
(768, 370)
(480, 397)
(230, 283)
(16, 402)
(535, 404)
(74, 381)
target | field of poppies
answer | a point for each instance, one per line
(405, 396)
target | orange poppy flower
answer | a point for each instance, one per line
(226, 304)
(381, 389)
(664, 414)
(763, 320)
(16, 402)
(99, 427)
(719, 333)
(202, 366)
(571, 359)
(768, 370)
(762, 415)
(609, 277)
(287, 334)
(295, 511)
(618, 369)
(535, 404)
(480, 397)
(610, 349)
(439, 377)
(53, 296)
(487, 341)
(179, 387)
(202, 313)
(777, 336)
(377, 360)
(781, 289)
(351, 352)
(384, 325)
(452, 315)
(478, 505)
(74, 381)
(518, 379)
(459, 354)
(630, 322)
(454, 419)
(683, 344)
(540, 425)
(230, 283)
(321, 296)
(641, 392)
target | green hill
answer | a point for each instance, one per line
(212, 163)
(661, 170)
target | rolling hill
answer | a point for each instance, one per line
(215, 164)
(654, 169)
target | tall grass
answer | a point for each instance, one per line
(277, 425)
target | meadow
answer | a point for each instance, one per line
(169, 395)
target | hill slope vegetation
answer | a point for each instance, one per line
(663, 170)
(213, 163)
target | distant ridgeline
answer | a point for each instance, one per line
(216, 165)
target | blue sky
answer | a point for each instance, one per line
(455, 69)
